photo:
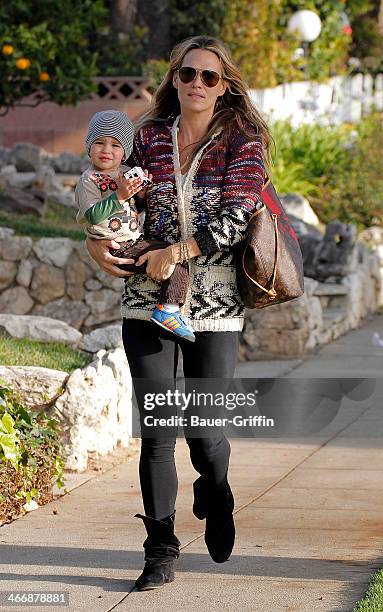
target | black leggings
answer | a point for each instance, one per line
(153, 354)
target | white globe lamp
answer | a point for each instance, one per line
(307, 24)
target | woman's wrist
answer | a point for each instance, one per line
(184, 250)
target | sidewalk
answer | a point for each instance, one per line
(309, 516)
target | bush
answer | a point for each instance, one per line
(355, 187)
(30, 456)
(338, 168)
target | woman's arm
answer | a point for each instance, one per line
(243, 182)
(161, 262)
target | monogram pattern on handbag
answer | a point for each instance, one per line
(269, 260)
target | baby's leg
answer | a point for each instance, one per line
(133, 250)
(173, 294)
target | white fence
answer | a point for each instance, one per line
(339, 100)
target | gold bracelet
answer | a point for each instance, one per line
(180, 252)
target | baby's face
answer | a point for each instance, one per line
(106, 154)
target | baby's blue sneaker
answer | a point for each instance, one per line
(173, 322)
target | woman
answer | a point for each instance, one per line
(206, 147)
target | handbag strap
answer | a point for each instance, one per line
(271, 292)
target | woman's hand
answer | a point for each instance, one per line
(160, 266)
(99, 252)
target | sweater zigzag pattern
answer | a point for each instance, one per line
(214, 205)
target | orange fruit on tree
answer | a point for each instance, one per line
(23, 63)
(7, 49)
(44, 76)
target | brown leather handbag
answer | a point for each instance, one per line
(269, 259)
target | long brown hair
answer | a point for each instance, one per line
(233, 109)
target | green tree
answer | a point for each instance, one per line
(328, 54)
(367, 28)
(261, 46)
(44, 50)
(199, 17)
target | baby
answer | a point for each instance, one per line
(108, 210)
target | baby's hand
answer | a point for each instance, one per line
(127, 188)
(142, 192)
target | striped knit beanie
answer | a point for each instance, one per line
(111, 123)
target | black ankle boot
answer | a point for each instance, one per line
(200, 498)
(161, 547)
(220, 528)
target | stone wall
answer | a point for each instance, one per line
(55, 277)
(93, 405)
(325, 311)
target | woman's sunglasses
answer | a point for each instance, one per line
(188, 74)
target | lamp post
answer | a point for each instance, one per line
(308, 25)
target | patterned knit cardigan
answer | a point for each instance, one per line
(213, 204)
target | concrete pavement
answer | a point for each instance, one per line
(309, 515)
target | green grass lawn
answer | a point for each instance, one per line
(57, 221)
(373, 599)
(56, 356)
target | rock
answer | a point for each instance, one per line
(38, 387)
(330, 289)
(310, 286)
(95, 409)
(4, 156)
(22, 180)
(69, 163)
(282, 330)
(103, 300)
(104, 305)
(102, 338)
(379, 252)
(310, 239)
(24, 274)
(15, 300)
(8, 172)
(68, 181)
(73, 312)
(15, 248)
(46, 179)
(372, 235)
(301, 228)
(16, 200)
(82, 252)
(55, 251)
(76, 274)
(298, 206)
(27, 157)
(38, 194)
(337, 254)
(314, 322)
(93, 285)
(8, 271)
(48, 283)
(92, 320)
(6, 231)
(112, 282)
(63, 198)
(42, 329)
